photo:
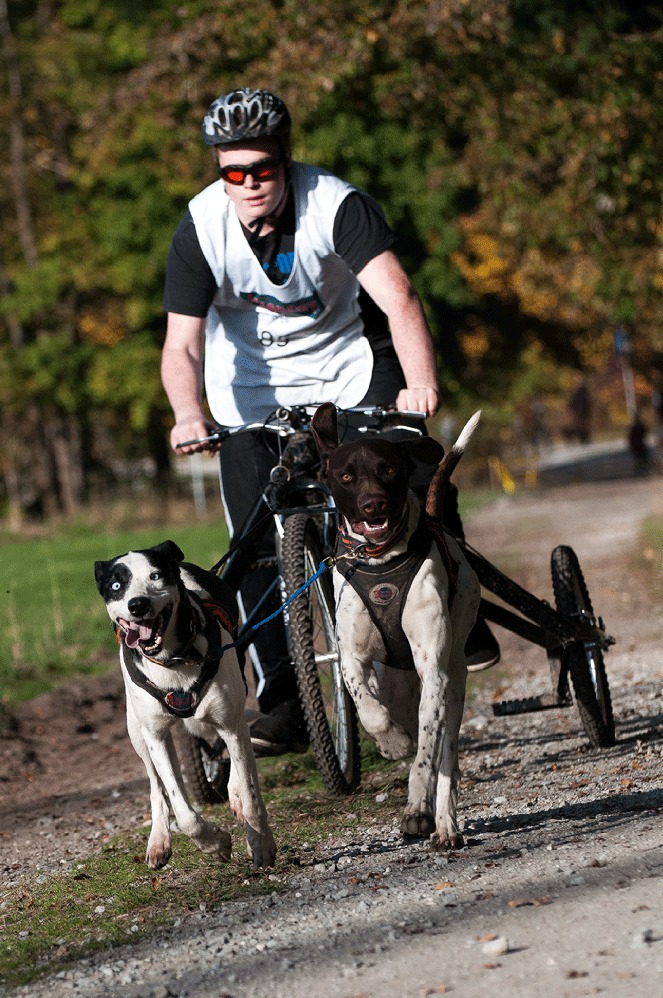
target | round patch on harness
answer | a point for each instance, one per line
(383, 594)
(181, 701)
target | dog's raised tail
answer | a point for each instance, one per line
(435, 496)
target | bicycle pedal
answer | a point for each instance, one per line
(528, 705)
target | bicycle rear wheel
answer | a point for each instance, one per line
(328, 707)
(586, 666)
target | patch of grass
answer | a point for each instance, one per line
(56, 624)
(112, 898)
(472, 500)
(652, 536)
(109, 900)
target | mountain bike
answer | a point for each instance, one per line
(299, 507)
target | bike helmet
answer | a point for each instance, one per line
(245, 114)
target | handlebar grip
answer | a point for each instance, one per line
(214, 438)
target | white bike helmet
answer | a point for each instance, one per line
(245, 114)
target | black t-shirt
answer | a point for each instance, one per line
(360, 234)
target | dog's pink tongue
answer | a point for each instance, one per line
(133, 633)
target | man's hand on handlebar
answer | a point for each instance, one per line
(192, 437)
(419, 398)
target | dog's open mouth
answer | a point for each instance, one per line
(372, 531)
(146, 634)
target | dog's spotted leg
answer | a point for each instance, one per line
(159, 847)
(427, 624)
(392, 741)
(209, 838)
(159, 843)
(357, 648)
(447, 834)
(418, 817)
(246, 800)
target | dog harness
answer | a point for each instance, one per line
(184, 703)
(383, 587)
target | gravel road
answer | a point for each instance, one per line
(559, 890)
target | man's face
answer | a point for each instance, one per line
(255, 198)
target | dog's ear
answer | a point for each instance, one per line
(100, 570)
(424, 449)
(170, 549)
(324, 427)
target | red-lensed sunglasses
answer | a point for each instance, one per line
(264, 169)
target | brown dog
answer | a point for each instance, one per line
(405, 598)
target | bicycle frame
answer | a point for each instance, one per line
(269, 512)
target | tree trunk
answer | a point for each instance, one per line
(10, 471)
(63, 439)
(26, 232)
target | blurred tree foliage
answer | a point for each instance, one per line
(516, 148)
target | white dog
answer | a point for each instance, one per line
(174, 623)
(405, 597)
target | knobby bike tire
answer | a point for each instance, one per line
(586, 665)
(328, 707)
(205, 771)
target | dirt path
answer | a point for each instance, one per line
(565, 843)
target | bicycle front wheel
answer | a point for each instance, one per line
(330, 713)
(586, 666)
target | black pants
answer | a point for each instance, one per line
(246, 462)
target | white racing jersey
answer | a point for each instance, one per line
(299, 343)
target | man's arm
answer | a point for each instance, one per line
(390, 288)
(182, 378)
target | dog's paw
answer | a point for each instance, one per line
(214, 841)
(262, 850)
(446, 842)
(417, 826)
(157, 855)
(223, 845)
(395, 743)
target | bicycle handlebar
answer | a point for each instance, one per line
(290, 420)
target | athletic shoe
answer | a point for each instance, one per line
(481, 648)
(281, 730)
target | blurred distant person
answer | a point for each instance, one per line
(657, 405)
(579, 408)
(537, 424)
(637, 442)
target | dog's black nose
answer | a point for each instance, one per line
(374, 506)
(139, 606)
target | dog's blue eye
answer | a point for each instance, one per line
(155, 576)
(115, 586)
